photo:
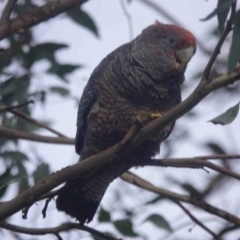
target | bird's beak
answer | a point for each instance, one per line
(183, 56)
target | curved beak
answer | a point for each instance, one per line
(183, 56)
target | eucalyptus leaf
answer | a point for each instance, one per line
(125, 227)
(60, 90)
(104, 216)
(221, 11)
(61, 70)
(14, 155)
(159, 221)
(223, 8)
(43, 51)
(4, 179)
(41, 171)
(226, 117)
(22, 175)
(82, 18)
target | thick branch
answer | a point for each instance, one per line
(34, 137)
(48, 183)
(36, 16)
(10, 5)
(137, 181)
(81, 168)
(54, 230)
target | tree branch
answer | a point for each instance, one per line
(9, 108)
(217, 49)
(10, 5)
(197, 221)
(37, 123)
(36, 16)
(189, 163)
(129, 19)
(54, 230)
(48, 183)
(34, 137)
(137, 181)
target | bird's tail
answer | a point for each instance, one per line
(80, 198)
(78, 201)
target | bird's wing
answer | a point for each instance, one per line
(89, 97)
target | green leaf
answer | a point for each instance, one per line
(60, 90)
(221, 11)
(125, 227)
(234, 54)
(43, 51)
(14, 89)
(22, 174)
(61, 70)
(223, 8)
(215, 148)
(5, 178)
(41, 171)
(159, 221)
(226, 117)
(210, 15)
(104, 216)
(14, 155)
(95, 237)
(83, 18)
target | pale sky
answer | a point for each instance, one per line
(87, 50)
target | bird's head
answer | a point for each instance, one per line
(167, 48)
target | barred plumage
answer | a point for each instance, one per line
(137, 79)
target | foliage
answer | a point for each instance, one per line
(18, 77)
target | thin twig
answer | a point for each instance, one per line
(48, 196)
(37, 123)
(34, 137)
(51, 181)
(197, 221)
(218, 157)
(10, 5)
(129, 19)
(192, 163)
(228, 229)
(217, 49)
(137, 181)
(9, 108)
(54, 230)
(44, 211)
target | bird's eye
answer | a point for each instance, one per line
(171, 40)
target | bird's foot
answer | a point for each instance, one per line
(155, 115)
(143, 120)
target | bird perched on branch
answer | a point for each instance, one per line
(139, 79)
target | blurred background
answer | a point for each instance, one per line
(51, 64)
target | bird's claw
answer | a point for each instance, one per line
(155, 115)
